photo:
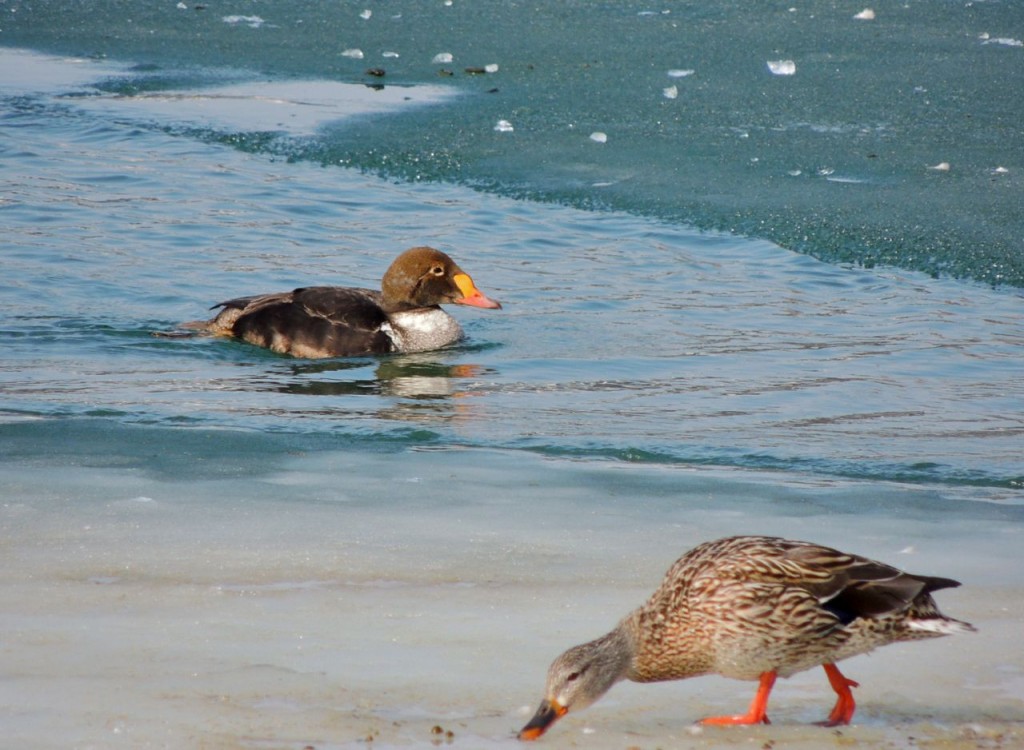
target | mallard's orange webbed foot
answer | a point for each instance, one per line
(758, 712)
(842, 712)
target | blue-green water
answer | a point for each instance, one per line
(138, 194)
(838, 160)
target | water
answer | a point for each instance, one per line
(622, 337)
(206, 543)
(837, 160)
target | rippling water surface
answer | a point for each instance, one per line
(622, 337)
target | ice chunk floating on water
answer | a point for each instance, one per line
(504, 126)
(679, 73)
(670, 92)
(253, 22)
(443, 57)
(354, 53)
(1005, 41)
(782, 67)
(598, 137)
(866, 15)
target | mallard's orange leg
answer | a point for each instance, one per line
(758, 712)
(845, 705)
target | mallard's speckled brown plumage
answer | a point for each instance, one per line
(752, 608)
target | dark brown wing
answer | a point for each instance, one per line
(848, 586)
(321, 321)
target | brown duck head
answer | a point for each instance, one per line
(425, 277)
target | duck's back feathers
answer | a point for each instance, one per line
(848, 585)
(318, 321)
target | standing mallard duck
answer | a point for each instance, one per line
(752, 608)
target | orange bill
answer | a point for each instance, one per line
(471, 295)
(549, 712)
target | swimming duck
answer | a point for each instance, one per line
(332, 321)
(752, 608)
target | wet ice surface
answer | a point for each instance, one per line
(335, 597)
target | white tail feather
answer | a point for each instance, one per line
(941, 627)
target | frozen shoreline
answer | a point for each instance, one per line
(320, 605)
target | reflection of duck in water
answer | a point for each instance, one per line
(752, 608)
(417, 376)
(333, 321)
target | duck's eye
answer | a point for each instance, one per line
(437, 270)
(573, 676)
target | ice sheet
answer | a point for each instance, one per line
(296, 107)
(342, 596)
